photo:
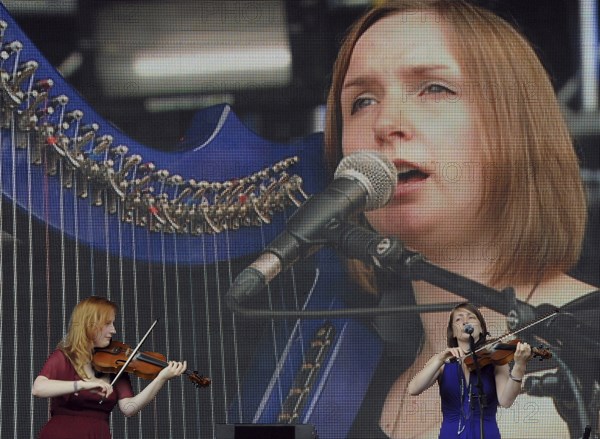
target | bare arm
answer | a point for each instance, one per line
(132, 406)
(508, 385)
(44, 387)
(432, 369)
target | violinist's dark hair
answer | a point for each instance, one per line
(451, 339)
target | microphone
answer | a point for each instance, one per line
(363, 181)
(468, 328)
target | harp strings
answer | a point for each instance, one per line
(62, 268)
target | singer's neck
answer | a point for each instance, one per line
(465, 344)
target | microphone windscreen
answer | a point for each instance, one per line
(375, 172)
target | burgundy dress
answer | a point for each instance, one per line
(79, 415)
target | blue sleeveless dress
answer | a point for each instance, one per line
(460, 403)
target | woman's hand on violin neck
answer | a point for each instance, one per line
(175, 368)
(97, 385)
(522, 353)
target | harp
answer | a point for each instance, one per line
(87, 210)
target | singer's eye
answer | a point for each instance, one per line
(361, 103)
(435, 88)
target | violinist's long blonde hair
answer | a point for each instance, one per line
(88, 317)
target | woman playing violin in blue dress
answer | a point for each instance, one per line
(464, 410)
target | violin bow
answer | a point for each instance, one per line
(132, 355)
(509, 334)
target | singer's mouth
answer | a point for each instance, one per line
(408, 173)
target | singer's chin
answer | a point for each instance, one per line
(405, 222)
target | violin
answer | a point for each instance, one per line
(146, 365)
(501, 353)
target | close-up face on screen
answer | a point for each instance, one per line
(281, 219)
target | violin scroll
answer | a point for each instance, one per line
(542, 353)
(199, 380)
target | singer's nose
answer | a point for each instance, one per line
(393, 123)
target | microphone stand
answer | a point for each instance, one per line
(481, 397)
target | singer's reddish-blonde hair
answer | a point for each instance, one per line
(533, 193)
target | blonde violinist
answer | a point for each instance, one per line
(81, 399)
